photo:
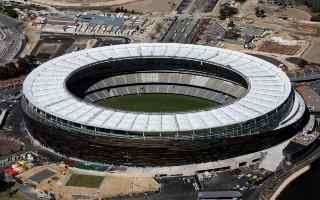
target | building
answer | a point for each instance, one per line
(259, 108)
(231, 194)
(314, 4)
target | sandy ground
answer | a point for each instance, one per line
(33, 38)
(119, 185)
(295, 13)
(312, 54)
(247, 8)
(153, 5)
(81, 3)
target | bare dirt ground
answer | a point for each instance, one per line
(153, 5)
(80, 3)
(33, 38)
(247, 9)
(273, 47)
(312, 54)
(120, 185)
(295, 13)
(139, 5)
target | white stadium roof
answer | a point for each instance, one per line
(45, 89)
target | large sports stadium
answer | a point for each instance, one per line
(152, 104)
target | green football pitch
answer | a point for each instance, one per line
(157, 103)
(80, 180)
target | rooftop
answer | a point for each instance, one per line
(45, 89)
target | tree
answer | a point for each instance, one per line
(17, 68)
(28, 63)
(172, 5)
(231, 24)
(12, 13)
(226, 10)
(9, 11)
(158, 27)
(2, 177)
(260, 12)
(12, 70)
(3, 72)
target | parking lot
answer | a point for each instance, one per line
(182, 30)
(196, 6)
(116, 24)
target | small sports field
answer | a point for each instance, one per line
(157, 103)
(80, 180)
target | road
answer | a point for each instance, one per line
(12, 39)
(182, 30)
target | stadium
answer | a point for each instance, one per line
(151, 104)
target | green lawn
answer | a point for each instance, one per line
(17, 196)
(79, 180)
(157, 103)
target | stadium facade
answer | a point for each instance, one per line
(258, 106)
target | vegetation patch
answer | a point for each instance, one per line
(6, 195)
(9, 11)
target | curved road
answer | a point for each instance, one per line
(13, 39)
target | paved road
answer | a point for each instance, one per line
(182, 30)
(13, 40)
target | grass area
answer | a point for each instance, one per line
(157, 103)
(80, 180)
(17, 196)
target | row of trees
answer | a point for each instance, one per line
(9, 11)
(17, 68)
(124, 10)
